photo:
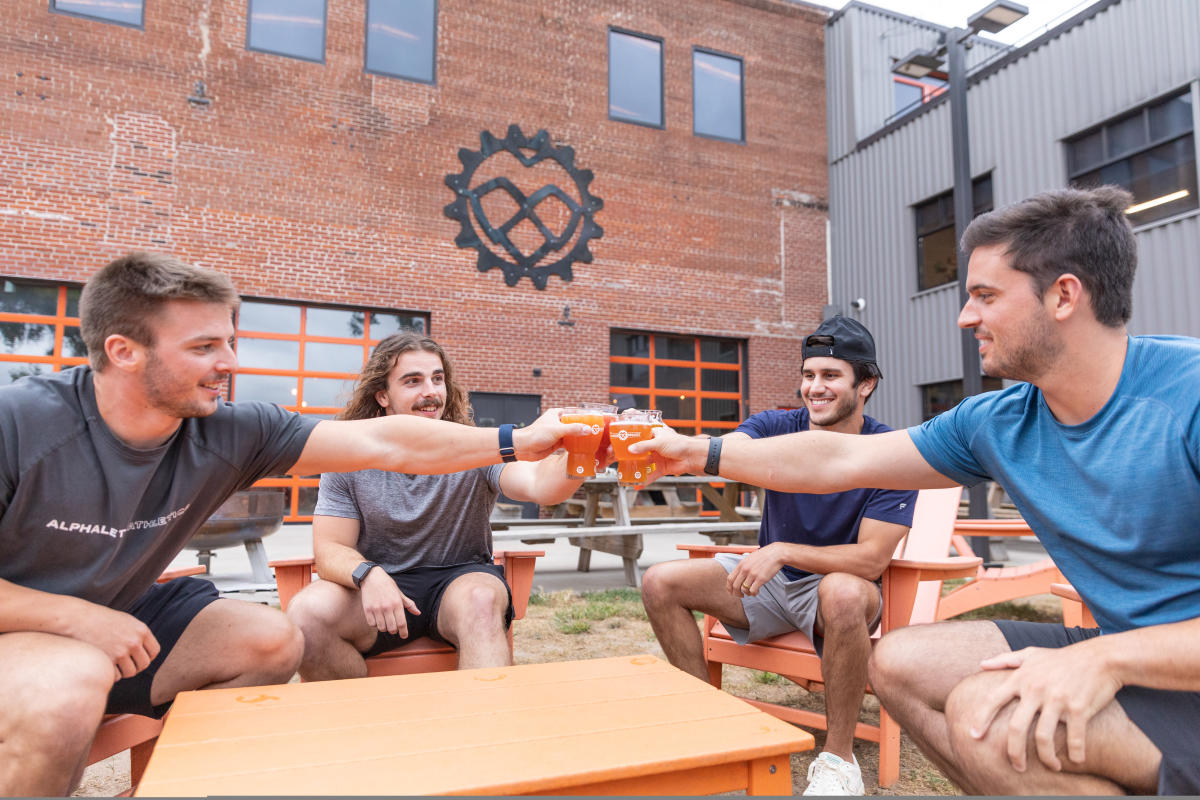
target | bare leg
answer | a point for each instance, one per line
(671, 591)
(471, 617)
(914, 669)
(52, 695)
(847, 604)
(1120, 757)
(230, 643)
(335, 629)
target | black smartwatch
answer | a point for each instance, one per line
(712, 465)
(360, 572)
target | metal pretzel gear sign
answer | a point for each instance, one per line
(492, 241)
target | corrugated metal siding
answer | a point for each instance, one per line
(1123, 56)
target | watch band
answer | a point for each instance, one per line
(713, 465)
(360, 572)
(508, 453)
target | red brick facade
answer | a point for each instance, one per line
(317, 182)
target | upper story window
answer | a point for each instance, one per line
(937, 246)
(717, 96)
(402, 39)
(122, 12)
(635, 78)
(1151, 152)
(939, 397)
(294, 28)
(908, 93)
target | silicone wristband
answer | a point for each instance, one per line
(507, 452)
(713, 465)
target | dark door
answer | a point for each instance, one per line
(493, 408)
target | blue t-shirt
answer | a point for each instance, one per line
(1116, 500)
(821, 519)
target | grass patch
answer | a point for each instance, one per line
(538, 597)
(1017, 611)
(575, 614)
(767, 677)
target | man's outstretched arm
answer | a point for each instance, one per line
(404, 443)
(818, 462)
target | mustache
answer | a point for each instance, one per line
(427, 405)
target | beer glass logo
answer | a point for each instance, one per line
(538, 230)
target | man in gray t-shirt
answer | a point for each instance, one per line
(402, 556)
(105, 472)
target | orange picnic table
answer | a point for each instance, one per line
(624, 725)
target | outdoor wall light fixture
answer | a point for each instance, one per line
(199, 95)
(566, 320)
(858, 304)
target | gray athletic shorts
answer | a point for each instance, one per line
(1169, 719)
(781, 606)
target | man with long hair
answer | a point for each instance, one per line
(107, 470)
(403, 556)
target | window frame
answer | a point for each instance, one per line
(928, 91)
(141, 25)
(946, 201)
(432, 81)
(324, 35)
(662, 96)
(955, 387)
(741, 92)
(1143, 110)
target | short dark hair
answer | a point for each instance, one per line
(125, 296)
(1081, 231)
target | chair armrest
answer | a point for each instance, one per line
(292, 575)
(179, 572)
(1075, 612)
(940, 569)
(992, 527)
(902, 579)
(518, 571)
(710, 550)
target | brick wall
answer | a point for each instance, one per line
(318, 182)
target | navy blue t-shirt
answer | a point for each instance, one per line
(821, 519)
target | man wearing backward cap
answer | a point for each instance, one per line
(820, 558)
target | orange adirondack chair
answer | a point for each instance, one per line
(996, 584)
(423, 654)
(133, 732)
(1076, 614)
(911, 586)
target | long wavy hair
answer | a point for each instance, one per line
(374, 377)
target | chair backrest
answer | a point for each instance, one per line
(929, 540)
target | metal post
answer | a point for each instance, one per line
(964, 208)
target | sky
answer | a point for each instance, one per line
(955, 12)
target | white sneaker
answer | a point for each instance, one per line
(829, 775)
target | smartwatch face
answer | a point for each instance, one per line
(361, 571)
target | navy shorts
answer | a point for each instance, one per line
(425, 587)
(1170, 719)
(166, 609)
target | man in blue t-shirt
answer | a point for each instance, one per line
(1099, 447)
(820, 556)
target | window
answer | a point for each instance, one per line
(937, 248)
(635, 78)
(39, 329)
(402, 39)
(939, 397)
(305, 358)
(696, 382)
(1151, 152)
(293, 28)
(909, 93)
(122, 12)
(717, 96)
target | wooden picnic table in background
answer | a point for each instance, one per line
(620, 533)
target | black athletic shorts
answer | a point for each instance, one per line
(1169, 719)
(166, 609)
(425, 587)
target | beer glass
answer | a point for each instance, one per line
(581, 449)
(631, 426)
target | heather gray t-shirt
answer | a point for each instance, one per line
(408, 521)
(84, 514)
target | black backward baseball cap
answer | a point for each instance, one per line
(840, 337)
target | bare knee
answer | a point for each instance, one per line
(844, 601)
(314, 611)
(271, 647)
(482, 607)
(662, 583)
(895, 663)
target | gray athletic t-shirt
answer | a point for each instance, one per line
(84, 514)
(408, 521)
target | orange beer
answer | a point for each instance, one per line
(581, 450)
(626, 430)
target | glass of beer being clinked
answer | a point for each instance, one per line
(582, 449)
(633, 425)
